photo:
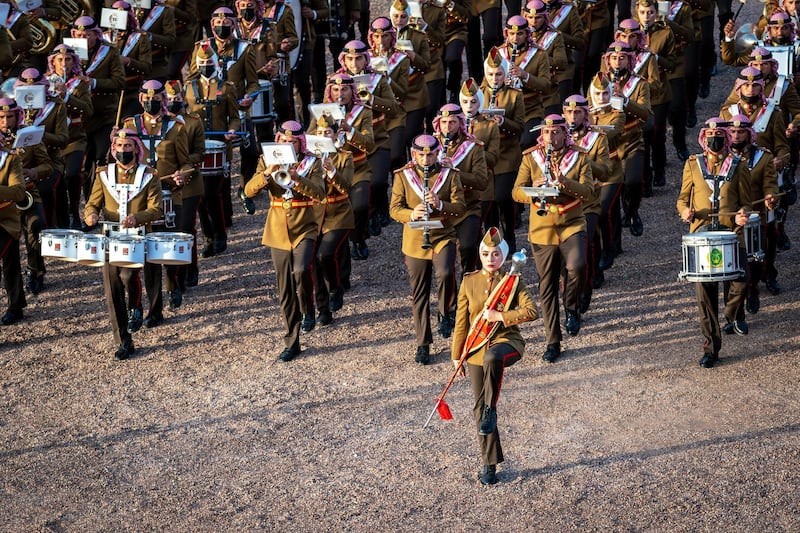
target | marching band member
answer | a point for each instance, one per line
(193, 189)
(716, 165)
(635, 92)
(770, 129)
(12, 191)
(698, 62)
(291, 230)
(465, 153)
(679, 20)
(382, 40)
(424, 190)
(282, 39)
(158, 23)
(416, 98)
(356, 131)
(595, 146)
(597, 20)
(499, 95)
(336, 27)
(53, 117)
(67, 83)
(136, 55)
(311, 11)
(602, 114)
(558, 226)
(49, 11)
(185, 15)
(377, 93)
(20, 38)
(128, 192)
(458, 15)
(762, 183)
(214, 101)
(528, 70)
(564, 18)
(432, 25)
(780, 31)
(36, 166)
(546, 37)
(166, 149)
(335, 219)
(237, 59)
(647, 64)
(486, 131)
(503, 349)
(105, 75)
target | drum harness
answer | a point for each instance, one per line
(717, 180)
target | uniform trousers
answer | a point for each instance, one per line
(655, 146)
(99, 142)
(609, 223)
(592, 256)
(116, 281)
(504, 213)
(708, 304)
(32, 226)
(379, 187)
(327, 271)
(295, 286)
(491, 36)
(415, 120)
(453, 68)
(528, 137)
(359, 198)
(212, 217)
(420, 279)
(633, 167)
(587, 61)
(435, 101)
(397, 147)
(469, 233)
(486, 381)
(68, 192)
(549, 259)
(47, 190)
(678, 109)
(692, 67)
(187, 223)
(12, 271)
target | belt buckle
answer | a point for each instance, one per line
(287, 204)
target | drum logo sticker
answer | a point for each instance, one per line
(715, 257)
(124, 251)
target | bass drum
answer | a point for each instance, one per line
(297, 54)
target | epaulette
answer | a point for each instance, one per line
(531, 149)
(474, 139)
(579, 149)
(693, 157)
(468, 274)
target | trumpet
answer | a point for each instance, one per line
(426, 231)
(548, 176)
(283, 178)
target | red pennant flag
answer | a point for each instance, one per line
(444, 410)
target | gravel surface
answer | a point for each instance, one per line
(204, 431)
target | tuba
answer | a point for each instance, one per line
(71, 10)
(44, 37)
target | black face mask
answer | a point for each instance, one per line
(715, 144)
(752, 99)
(152, 107)
(739, 146)
(175, 107)
(207, 70)
(125, 158)
(223, 32)
(248, 14)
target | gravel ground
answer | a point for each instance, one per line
(202, 430)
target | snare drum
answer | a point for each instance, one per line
(261, 110)
(60, 244)
(710, 256)
(92, 250)
(752, 238)
(126, 251)
(214, 160)
(169, 248)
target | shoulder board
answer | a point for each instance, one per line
(765, 150)
(98, 170)
(531, 149)
(693, 157)
(579, 149)
(179, 119)
(468, 274)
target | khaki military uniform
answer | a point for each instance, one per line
(696, 193)
(138, 49)
(774, 135)
(565, 19)
(159, 23)
(553, 42)
(539, 82)
(416, 96)
(239, 64)
(107, 80)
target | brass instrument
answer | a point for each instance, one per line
(24, 206)
(71, 10)
(745, 39)
(426, 231)
(548, 176)
(44, 37)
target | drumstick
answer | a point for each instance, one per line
(119, 107)
(765, 198)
